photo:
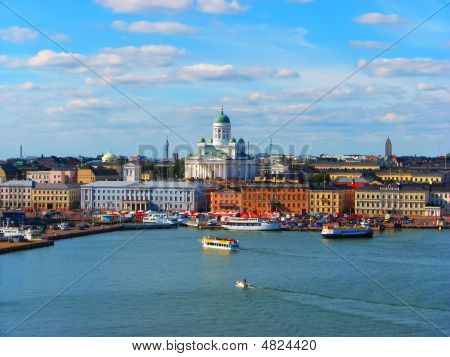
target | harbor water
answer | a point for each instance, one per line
(163, 283)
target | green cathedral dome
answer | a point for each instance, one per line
(222, 118)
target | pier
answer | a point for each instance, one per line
(7, 247)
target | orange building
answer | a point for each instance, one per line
(280, 197)
(226, 200)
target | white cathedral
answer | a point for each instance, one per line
(222, 157)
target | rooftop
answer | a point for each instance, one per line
(18, 183)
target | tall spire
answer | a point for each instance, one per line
(221, 109)
(166, 148)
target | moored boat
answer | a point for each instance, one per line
(337, 232)
(250, 224)
(12, 234)
(220, 243)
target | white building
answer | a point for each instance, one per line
(222, 156)
(131, 172)
(440, 196)
(149, 195)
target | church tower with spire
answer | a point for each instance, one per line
(166, 149)
(388, 149)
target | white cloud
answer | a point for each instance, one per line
(368, 44)
(50, 58)
(81, 104)
(89, 103)
(109, 59)
(387, 67)
(18, 34)
(27, 86)
(166, 28)
(145, 56)
(145, 5)
(220, 6)
(349, 91)
(199, 72)
(422, 86)
(287, 73)
(54, 110)
(392, 118)
(60, 37)
(375, 18)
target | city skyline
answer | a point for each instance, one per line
(264, 61)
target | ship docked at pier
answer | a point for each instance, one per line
(250, 224)
(341, 232)
(220, 243)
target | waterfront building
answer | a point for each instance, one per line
(222, 157)
(56, 196)
(8, 172)
(226, 200)
(335, 165)
(150, 195)
(388, 149)
(412, 176)
(289, 198)
(64, 175)
(433, 211)
(91, 174)
(131, 171)
(395, 199)
(440, 196)
(330, 200)
(16, 194)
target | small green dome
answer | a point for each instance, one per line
(241, 141)
(233, 140)
(202, 140)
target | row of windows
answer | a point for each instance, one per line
(404, 196)
(128, 191)
(404, 213)
(16, 190)
(391, 204)
(274, 189)
(273, 197)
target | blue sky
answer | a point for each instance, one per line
(264, 60)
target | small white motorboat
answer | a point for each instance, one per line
(242, 283)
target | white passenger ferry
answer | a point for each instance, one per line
(337, 232)
(155, 217)
(250, 224)
(159, 218)
(220, 243)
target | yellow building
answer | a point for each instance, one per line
(90, 174)
(330, 200)
(409, 176)
(147, 176)
(394, 199)
(343, 174)
(55, 196)
(346, 165)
